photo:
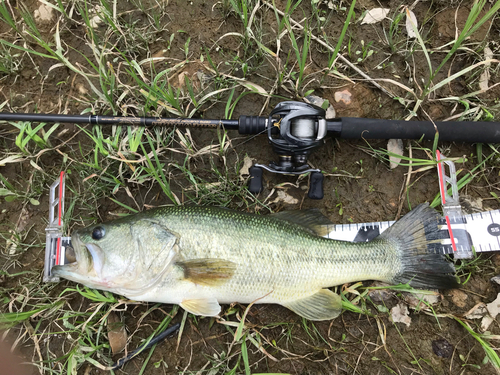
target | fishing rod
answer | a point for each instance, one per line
(295, 130)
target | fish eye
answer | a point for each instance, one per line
(98, 233)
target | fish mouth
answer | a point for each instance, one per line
(81, 261)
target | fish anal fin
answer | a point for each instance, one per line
(323, 305)
(312, 219)
(207, 271)
(202, 306)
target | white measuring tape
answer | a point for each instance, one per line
(481, 230)
(461, 235)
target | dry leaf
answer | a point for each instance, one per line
(36, 166)
(493, 310)
(488, 54)
(486, 322)
(285, 198)
(245, 168)
(117, 335)
(494, 307)
(11, 159)
(494, 279)
(458, 297)
(43, 14)
(477, 312)
(395, 146)
(95, 22)
(471, 205)
(380, 295)
(253, 87)
(411, 24)
(399, 314)
(343, 96)
(375, 15)
(421, 301)
(485, 75)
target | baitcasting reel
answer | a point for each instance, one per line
(296, 130)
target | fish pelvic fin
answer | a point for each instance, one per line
(202, 306)
(415, 236)
(323, 305)
(207, 271)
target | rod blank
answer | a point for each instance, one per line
(345, 127)
(118, 120)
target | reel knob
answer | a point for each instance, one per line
(255, 184)
(316, 185)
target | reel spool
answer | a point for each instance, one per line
(294, 130)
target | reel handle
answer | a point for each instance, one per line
(255, 184)
(316, 185)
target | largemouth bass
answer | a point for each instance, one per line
(200, 257)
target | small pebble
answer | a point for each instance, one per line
(344, 96)
(495, 279)
(458, 297)
(380, 295)
(442, 348)
(43, 14)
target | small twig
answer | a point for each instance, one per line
(190, 357)
(383, 336)
(404, 188)
(34, 337)
(181, 329)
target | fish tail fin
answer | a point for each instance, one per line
(416, 236)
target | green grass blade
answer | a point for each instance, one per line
(490, 352)
(342, 35)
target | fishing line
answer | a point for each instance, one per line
(155, 340)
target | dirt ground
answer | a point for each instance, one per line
(358, 188)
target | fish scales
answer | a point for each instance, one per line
(199, 257)
(272, 255)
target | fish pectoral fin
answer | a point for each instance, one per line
(207, 271)
(323, 305)
(202, 306)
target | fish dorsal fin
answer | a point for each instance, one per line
(201, 306)
(323, 305)
(207, 271)
(311, 219)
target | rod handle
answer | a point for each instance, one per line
(455, 131)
